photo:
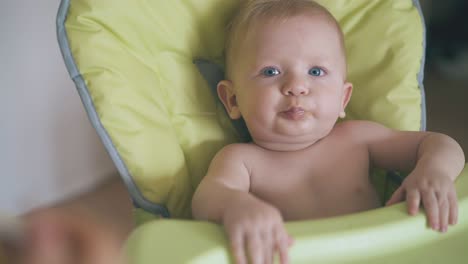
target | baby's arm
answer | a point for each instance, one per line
(252, 225)
(434, 160)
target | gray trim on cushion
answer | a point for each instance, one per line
(421, 71)
(138, 199)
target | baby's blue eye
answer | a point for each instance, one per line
(270, 71)
(316, 71)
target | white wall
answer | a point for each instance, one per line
(48, 149)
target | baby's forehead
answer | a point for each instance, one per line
(315, 28)
(256, 24)
(309, 22)
(250, 24)
(262, 43)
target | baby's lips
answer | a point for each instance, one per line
(294, 113)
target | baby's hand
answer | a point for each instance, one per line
(55, 236)
(256, 231)
(438, 195)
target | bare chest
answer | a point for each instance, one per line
(316, 184)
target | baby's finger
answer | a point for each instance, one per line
(238, 248)
(268, 245)
(46, 249)
(397, 196)
(282, 243)
(432, 209)
(290, 240)
(255, 249)
(443, 213)
(413, 200)
(453, 213)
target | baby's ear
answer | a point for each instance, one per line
(226, 94)
(347, 91)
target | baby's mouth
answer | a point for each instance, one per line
(294, 113)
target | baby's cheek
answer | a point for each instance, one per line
(328, 113)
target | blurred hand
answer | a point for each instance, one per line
(55, 236)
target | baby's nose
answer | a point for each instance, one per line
(295, 87)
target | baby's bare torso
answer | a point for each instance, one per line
(327, 179)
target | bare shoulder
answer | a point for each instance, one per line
(236, 151)
(230, 165)
(359, 125)
(388, 148)
(372, 131)
(362, 130)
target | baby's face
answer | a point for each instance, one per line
(289, 80)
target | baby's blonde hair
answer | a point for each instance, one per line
(255, 10)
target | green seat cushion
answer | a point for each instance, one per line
(133, 65)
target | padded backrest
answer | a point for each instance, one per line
(132, 62)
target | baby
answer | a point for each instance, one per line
(286, 77)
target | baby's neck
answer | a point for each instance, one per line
(285, 146)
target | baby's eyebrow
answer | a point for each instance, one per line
(261, 64)
(320, 61)
(319, 58)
